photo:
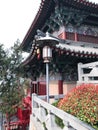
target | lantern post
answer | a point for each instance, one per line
(47, 42)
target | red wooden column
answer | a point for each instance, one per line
(64, 35)
(76, 36)
(41, 88)
(33, 87)
(60, 86)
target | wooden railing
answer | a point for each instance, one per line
(82, 38)
(43, 117)
(87, 38)
(70, 36)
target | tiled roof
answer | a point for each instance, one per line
(78, 50)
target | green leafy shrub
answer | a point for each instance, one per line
(58, 120)
(82, 102)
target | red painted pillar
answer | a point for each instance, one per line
(41, 88)
(76, 36)
(64, 35)
(38, 88)
(60, 86)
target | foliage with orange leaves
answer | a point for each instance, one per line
(82, 102)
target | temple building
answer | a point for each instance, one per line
(75, 24)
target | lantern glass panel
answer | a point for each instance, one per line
(47, 53)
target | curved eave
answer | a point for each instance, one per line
(42, 14)
(67, 50)
(29, 58)
(45, 9)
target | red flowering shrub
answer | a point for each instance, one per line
(82, 102)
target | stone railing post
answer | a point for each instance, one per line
(80, 72)
(41, 114)
(50, 122)
(34, 104)
(67, 126)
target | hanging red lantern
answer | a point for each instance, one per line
(38, 54)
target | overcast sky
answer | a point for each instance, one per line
(16, 17)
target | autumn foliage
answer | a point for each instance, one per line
(82, 102)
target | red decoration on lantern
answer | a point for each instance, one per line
(38, 54)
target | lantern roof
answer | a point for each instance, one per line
(47, 40)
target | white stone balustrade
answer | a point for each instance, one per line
(88, 73)
(43, 117)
